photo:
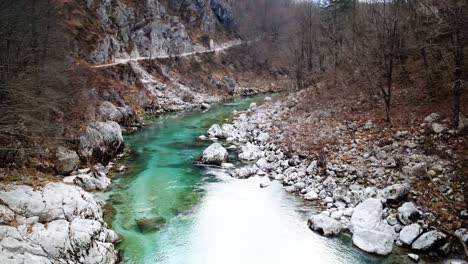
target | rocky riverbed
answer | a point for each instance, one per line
(368, 188)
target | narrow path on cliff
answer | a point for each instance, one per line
(217, 48)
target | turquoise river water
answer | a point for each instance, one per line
(210, 217)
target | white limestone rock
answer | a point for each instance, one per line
(215, 154)
(373, 241)
(324, 224)
(427, 240)
(409, 233)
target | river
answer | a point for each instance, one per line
(210, 217)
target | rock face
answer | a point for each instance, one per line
(58, 224)
(215, 154)
(150, 29)
(101, 141)
(324, 224)
(66, 161)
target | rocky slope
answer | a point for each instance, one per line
(384, 190)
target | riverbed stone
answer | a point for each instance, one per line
(373, 241)
(150, 224)
(311, 196)
(215, 154)
(428, 240)
(413, 257)
(394, 192)
(367, 215)
(462, 234)
(250, 152)
(409, 233)
(215, 131)
(408, 213)
(324, 224)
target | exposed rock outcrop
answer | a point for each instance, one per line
(57, 224)
(101, 141)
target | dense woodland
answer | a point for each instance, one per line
(369, 47)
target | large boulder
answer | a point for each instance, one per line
(100, 142)
(428, 240)
(215, 154)
(373, 241)
(409, 233)
(66, 161)
(370, 232)
(324, 224)
(367, 215)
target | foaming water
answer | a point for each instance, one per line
(211, 217)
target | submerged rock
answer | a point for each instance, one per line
(150, 224)
(215, 154)
(324, 224)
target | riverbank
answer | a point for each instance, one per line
(37, 206)
(376, 182)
